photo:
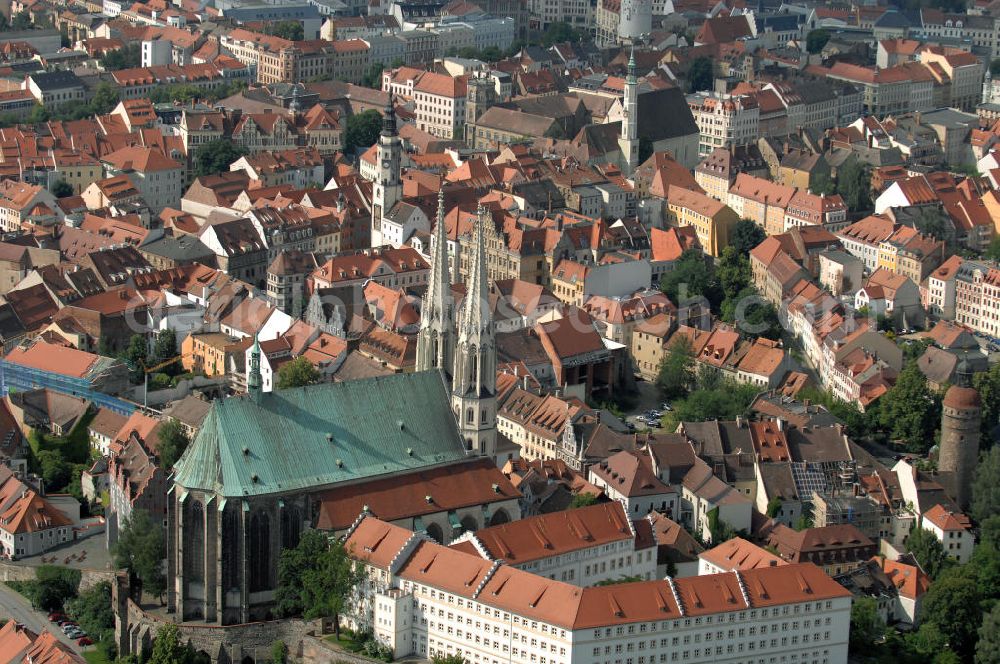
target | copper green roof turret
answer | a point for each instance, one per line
(631, 66)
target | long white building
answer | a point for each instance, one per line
(425, 599)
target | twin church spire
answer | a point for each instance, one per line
(465, 350)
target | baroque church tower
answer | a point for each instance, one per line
(628, 140)
(473, 395)
(436, 340)
(387, 189)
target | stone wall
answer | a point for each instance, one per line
(317, 651)
(249, 643)
(89, 577)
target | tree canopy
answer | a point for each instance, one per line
(866, 624)
(297, 373)
(677, 371)
(952, 605)
(816, 40)
(62, 189)
(854, 185)
(361, 130)
(215, 157)
(928, 551)
(173, 442)
(701, 75)
(986, 486)
(316, 579)
(746, 236)
(290, 30)
(127, 57)
(910, 411)
(141, 550)
(693, 277)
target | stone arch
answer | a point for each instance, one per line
(247, 659)
(499, 517)
(435, 533)
(291, 527)
(259, 558)
(469, 524)
(194, 542)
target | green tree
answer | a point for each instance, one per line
(62, 189)
(361, 130)
(215, 157)
(167, 647)
(746, 236)
(559, 32)
(993, 250)
(21, 21)
(692, 277)
(854, 185)
(292, 566)
(317, 579)
(676, 372)
(135, 357)
(909, 411)
(733, 272)
(279, 652)
(141, 550)
(165, 348)
(952, 605)
(816, 40)
(867, 625)
(988, 646)
(55, 470)
(448, 659)
(297, 373)
(987, 383)
(373, 77)
(106, 97)
(773, 507)
(127, 57)
(986, 486)
(38, 115)
(930, 220)
(290, 30)
(727, 402)
(928, 551)
(93, 610)
(701, 75)
(583, 499)
(173, 442)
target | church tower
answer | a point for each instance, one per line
(481, 96)
(959, 452)
(436, 340)
(988, 87)
(254, 381)
(628, 140)
(474, 380)
(388, 186)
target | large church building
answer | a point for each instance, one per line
(266, 465)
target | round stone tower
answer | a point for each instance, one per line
(959, 452)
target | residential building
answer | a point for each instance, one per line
(953, 529)
(713, 220)
(724, 120)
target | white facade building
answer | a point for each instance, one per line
(424, 599)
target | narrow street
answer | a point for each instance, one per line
(15, 607)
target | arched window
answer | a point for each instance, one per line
(291, 527)
(469, 524)
(194, 542)
(259, 559)
(232, 549)
(434, 532)
(470, 415)
(499, 517)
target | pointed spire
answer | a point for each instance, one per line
(477, 314)
(434, 344)
(253, 371)
(631, 65)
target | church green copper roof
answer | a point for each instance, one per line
(309, 437)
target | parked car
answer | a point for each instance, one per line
(69, 627)
(84, 641)
(56, 616)
(666, 407)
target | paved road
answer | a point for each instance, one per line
(15, 607)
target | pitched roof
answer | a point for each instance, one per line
(739, 554)
(559, 533)
(947, 520)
